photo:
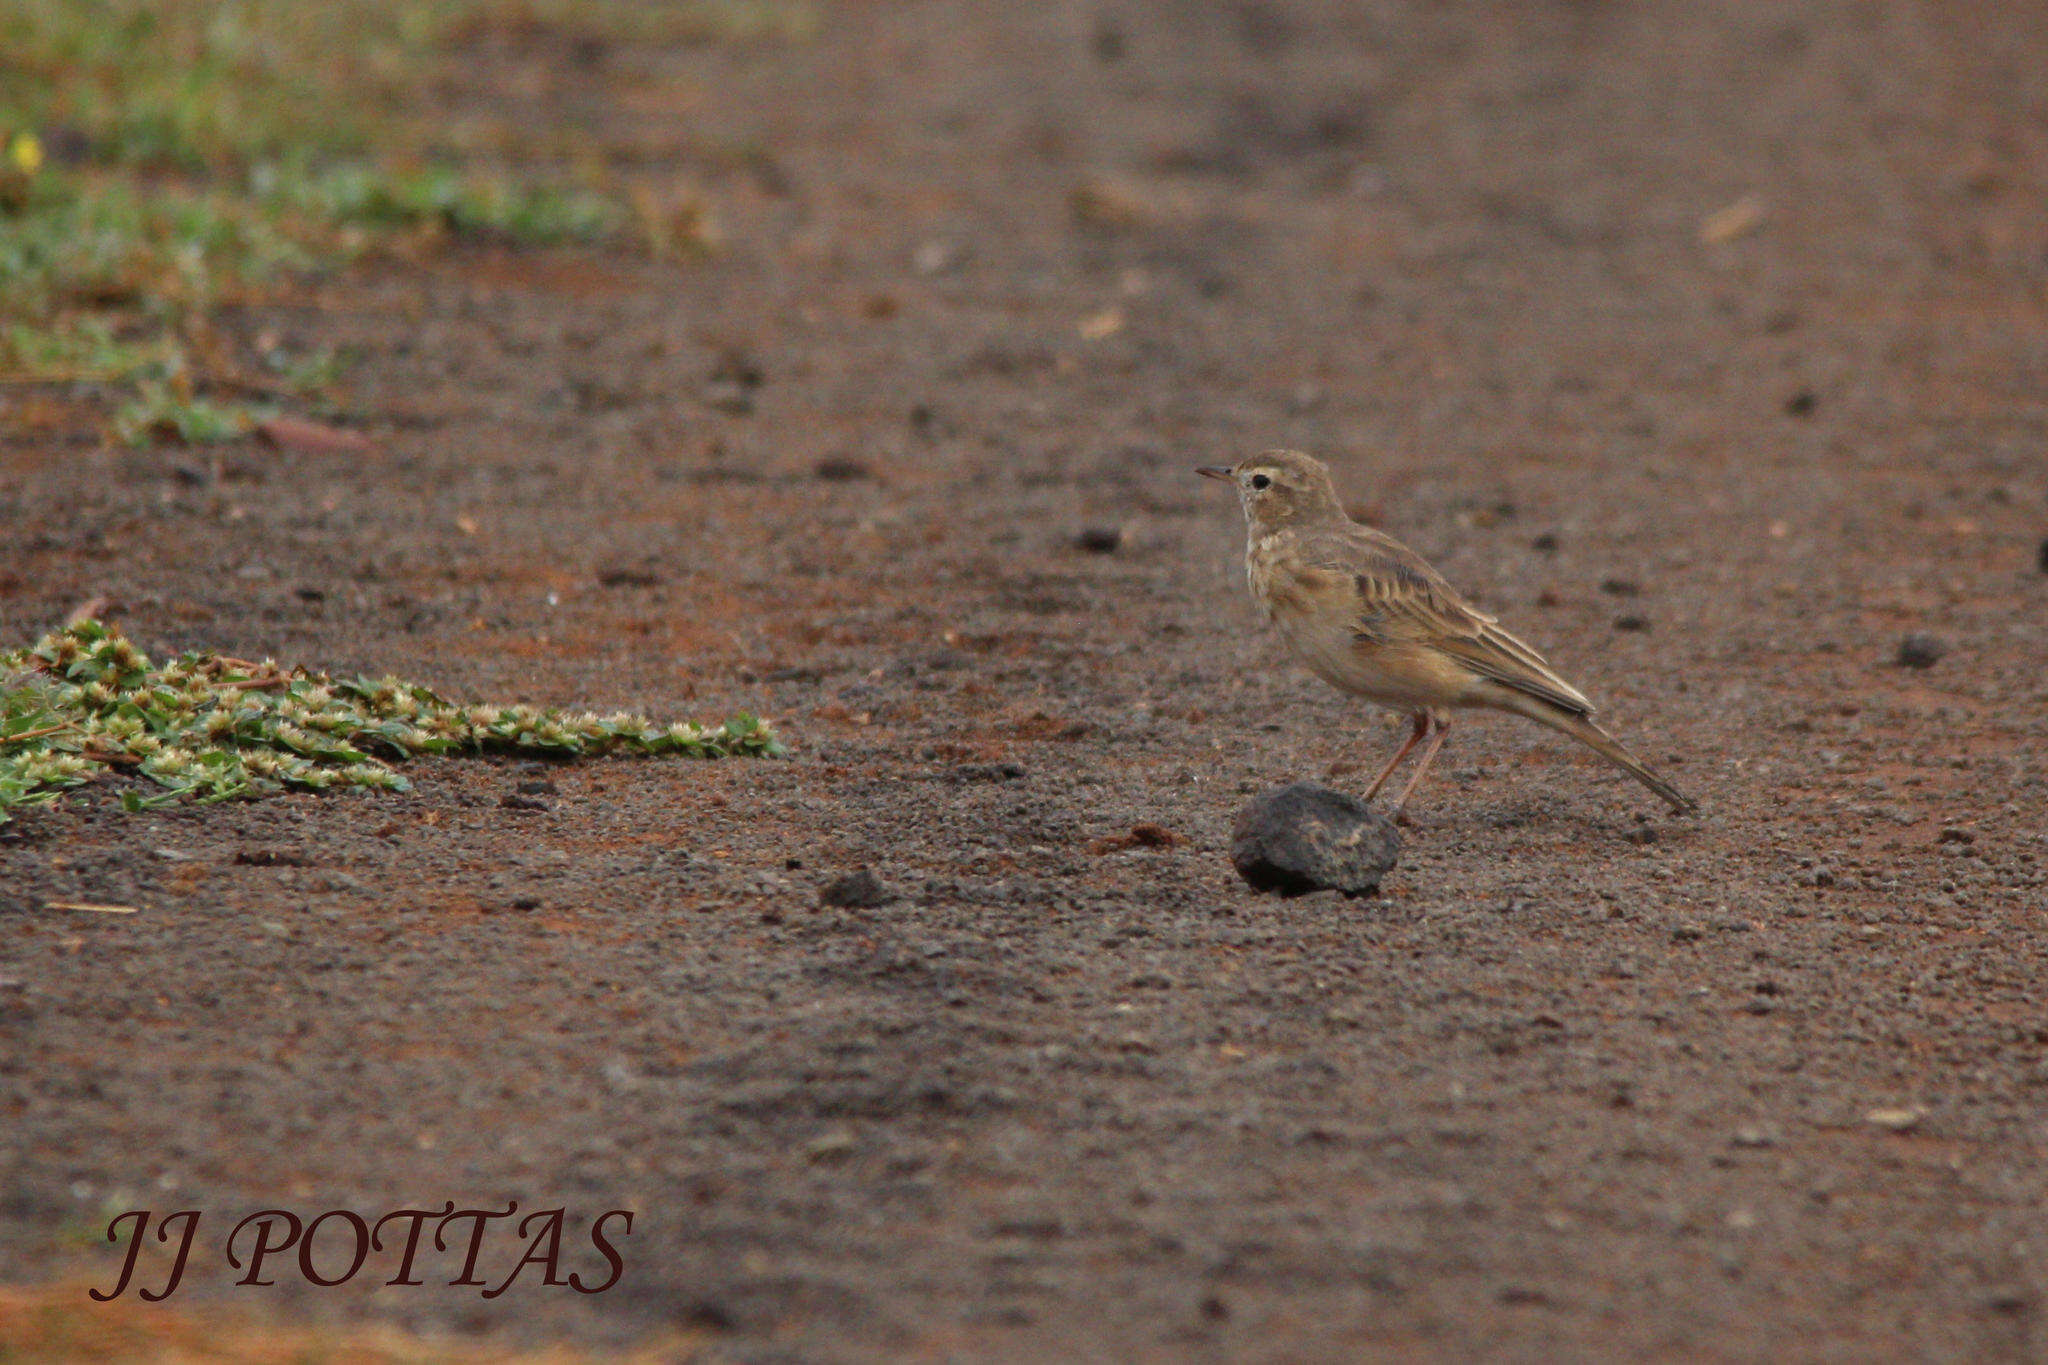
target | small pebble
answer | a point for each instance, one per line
(1921, 651)
(729, 399)
(831, 1148)
(857, 890)
(1100, 540)
(842, 469)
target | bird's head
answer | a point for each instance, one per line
(1281, 488)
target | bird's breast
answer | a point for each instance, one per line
(1266, 573)
(1317, 612)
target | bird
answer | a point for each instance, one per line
(1371, 617)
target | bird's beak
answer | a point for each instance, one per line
(1214, 471)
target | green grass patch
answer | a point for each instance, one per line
(161, 157)
(83, 350)
(443, 198)
(83, 704)
(164, 414)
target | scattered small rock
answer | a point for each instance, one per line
(937, 257)
(1738, 219)
(1100, 540)
(829, 1149)
(842, 469)
(519, 800)
(708, 1315)
(1302, 838)
(1141, 836)
(1621, 587)
(739, 369)
(1802, 403)
(1545, 543)
(628, 578)
(1897, 1120)
(1921, 651)
(733, 380)
(1108, 42)
(315, 438)
(1036, 1229)
(273, 856)
(987, 772)
(1631, 622)
(730, 399)
(857, 890)
(1107, 206)
(2041, 559)
(536, 786)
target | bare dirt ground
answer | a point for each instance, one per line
(1706, 344)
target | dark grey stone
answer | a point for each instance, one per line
(859, 890)
(1302, 838)
(1921, 651)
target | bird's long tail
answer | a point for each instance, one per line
(1608, 747)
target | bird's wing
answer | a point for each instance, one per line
(1401, 599)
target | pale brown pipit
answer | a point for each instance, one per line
(1369, 615)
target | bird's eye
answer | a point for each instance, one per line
(1261, 482)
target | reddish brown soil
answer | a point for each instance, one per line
(1586, 1082)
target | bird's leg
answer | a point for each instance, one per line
(1414, 738)
(1439, 727)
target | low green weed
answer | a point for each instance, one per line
(83, 704)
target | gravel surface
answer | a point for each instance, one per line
(1705, 344)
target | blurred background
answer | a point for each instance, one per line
(845, 362)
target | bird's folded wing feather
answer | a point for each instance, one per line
(1401, 599)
